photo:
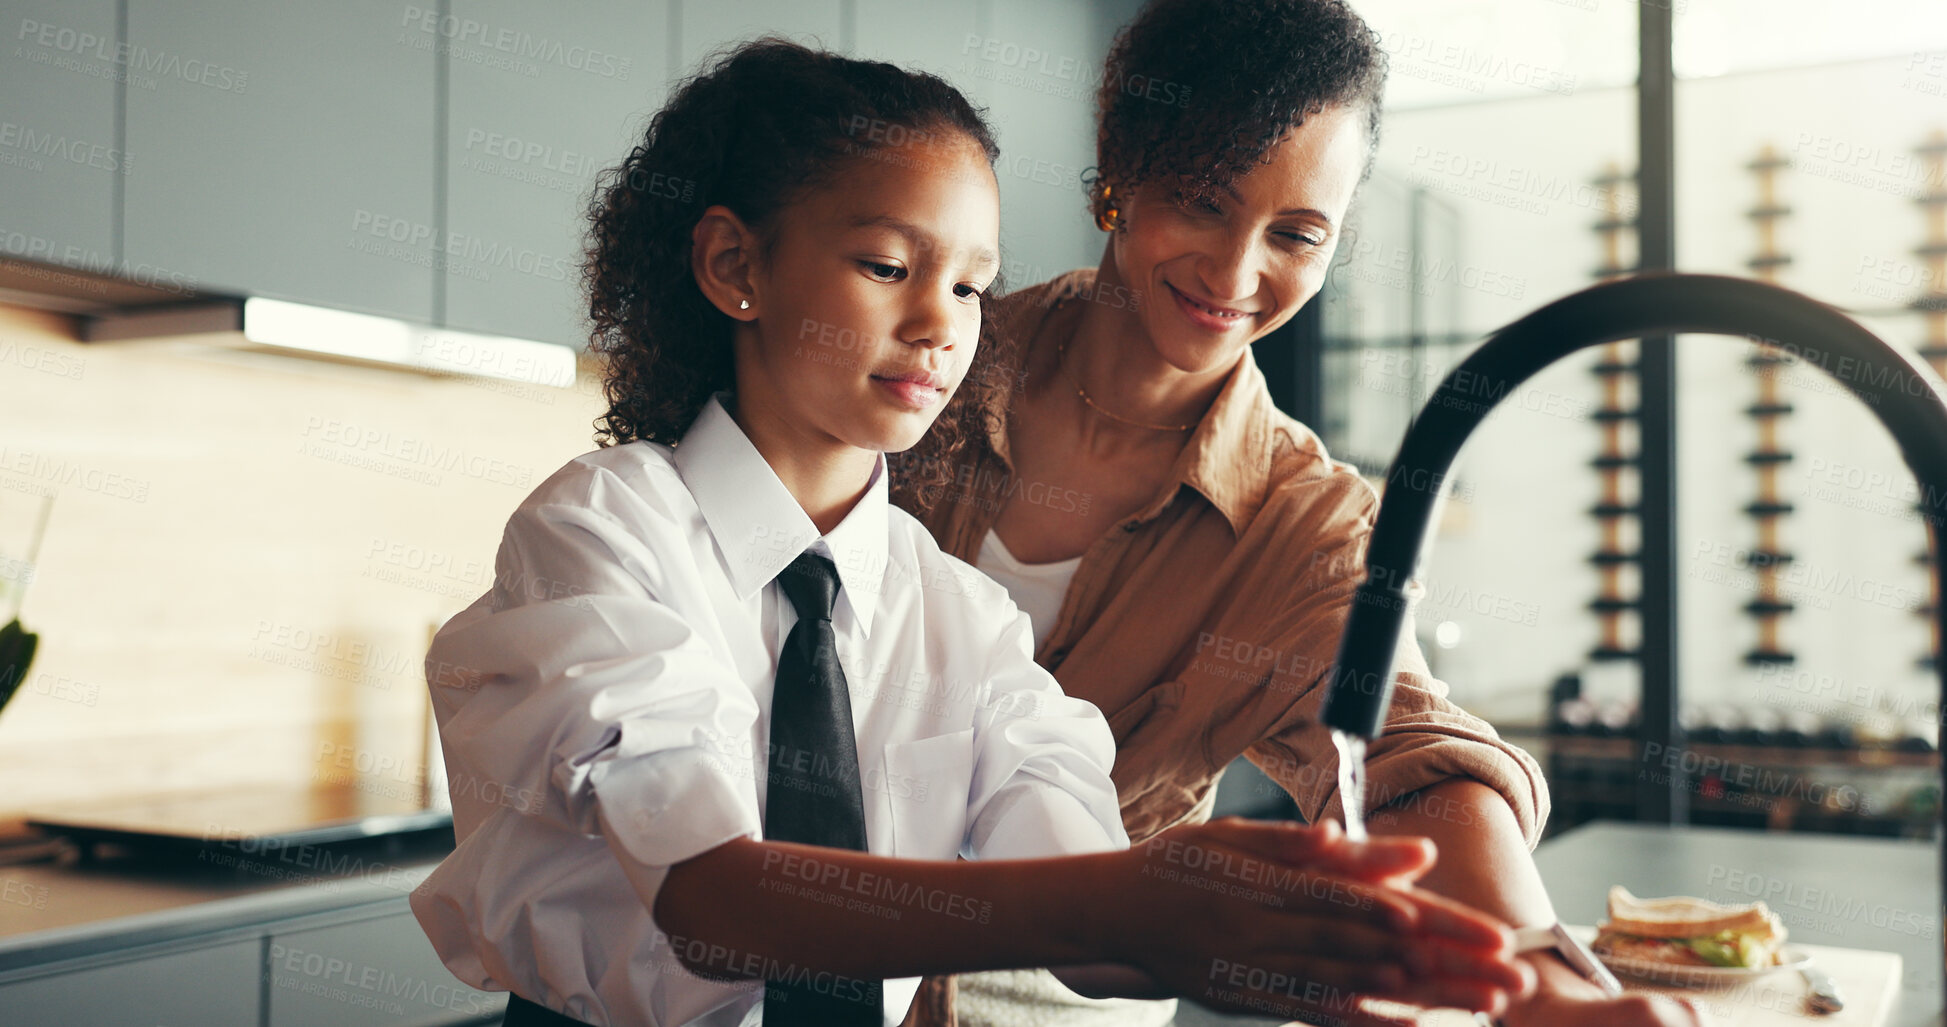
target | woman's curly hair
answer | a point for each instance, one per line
(760, 127)
(1198, 91)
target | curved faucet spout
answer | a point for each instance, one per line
(1893, 385)
(1898, 390)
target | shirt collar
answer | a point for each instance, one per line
(1227, 458)
(758, 524)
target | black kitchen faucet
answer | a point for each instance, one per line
(1900, 393)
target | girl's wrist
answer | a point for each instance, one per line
(1083, 908)
(1114, 908)
(1559, 990)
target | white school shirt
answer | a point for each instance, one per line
(603, 713)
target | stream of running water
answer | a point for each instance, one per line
(1352, 782)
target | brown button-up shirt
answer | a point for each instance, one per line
(1204, 625)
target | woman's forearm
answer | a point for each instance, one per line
(1484, 862)
(756, 905)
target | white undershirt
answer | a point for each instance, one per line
(1037, 588)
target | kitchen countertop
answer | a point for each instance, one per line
(54, 911)
(1863, 893)
(1829, 890)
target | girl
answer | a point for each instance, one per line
(1194, 583)
(725, 707)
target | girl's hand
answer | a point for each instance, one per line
(1588, 1007)
(1249, 916)
(1564, 996)
(1638, 1010)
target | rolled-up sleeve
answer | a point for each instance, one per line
(572, 686)
(1041, 783)
(1428, 739)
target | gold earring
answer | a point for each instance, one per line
(1110, 216)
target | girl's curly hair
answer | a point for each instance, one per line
(1198, 91)
(760, 127)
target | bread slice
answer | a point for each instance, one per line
(1687, 931)
(1682, 916)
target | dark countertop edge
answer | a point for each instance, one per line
(1808, 838)
(213, 920)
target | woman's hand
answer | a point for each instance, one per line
(1250, 916)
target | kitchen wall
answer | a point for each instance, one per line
(246, 554)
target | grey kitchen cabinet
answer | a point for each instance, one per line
(1036, 67)
(433, 160)
(708, 25)
(59, 157)
(215, 986)
(540, 99)
(286, 149)
(374, 972)
(158, 942)
(939, 42)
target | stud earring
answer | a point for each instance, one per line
(743, 304)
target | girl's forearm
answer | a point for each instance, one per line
(757, 905)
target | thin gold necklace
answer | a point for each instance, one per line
(1061, 364)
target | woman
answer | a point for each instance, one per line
(1187, 553)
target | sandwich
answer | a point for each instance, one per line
(1685, 931)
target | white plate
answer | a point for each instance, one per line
(1699, 976)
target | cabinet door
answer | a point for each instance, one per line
(1036, 65)
(540, 99)
(368, 973)
(210, 987)
(286, 149)
(58, 153)
(708, 25)
(937, 36)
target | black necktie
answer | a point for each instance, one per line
(814, 795)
